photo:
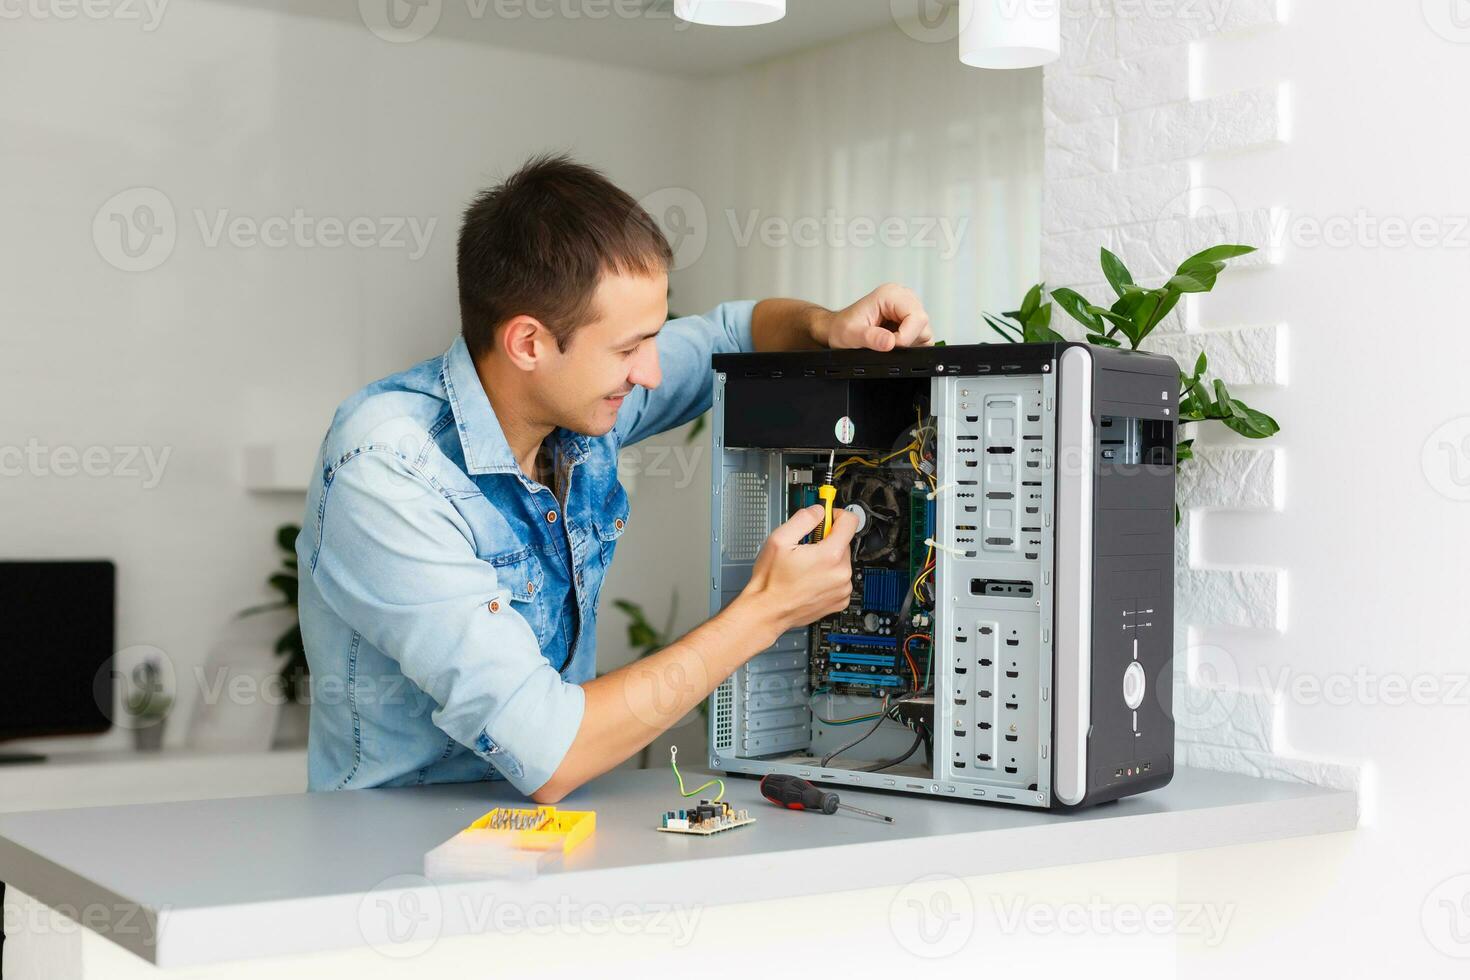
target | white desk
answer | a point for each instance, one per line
(93, 779)
(286, 876)
(116, 778)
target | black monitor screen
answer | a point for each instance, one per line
(56, 641)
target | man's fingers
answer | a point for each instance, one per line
(897, 303)
(802, 523)
(844, 526)
(914, 330)
(879, 338)
(901, 305)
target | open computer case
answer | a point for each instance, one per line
(1010, 633)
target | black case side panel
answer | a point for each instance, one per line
(1133, 582)
(794, 399)
(802, 413)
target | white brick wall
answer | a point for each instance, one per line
(1121, 132)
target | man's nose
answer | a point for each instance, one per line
(646, 371)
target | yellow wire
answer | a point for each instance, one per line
(918, 444)
(923, 575)
(851, 460)
(911, 449)
(673, 761)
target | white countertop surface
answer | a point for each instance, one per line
(216, 880)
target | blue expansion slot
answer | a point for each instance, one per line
(862, 640)
(874, 659)
(872, 680)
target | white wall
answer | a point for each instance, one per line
(873, 158)
(237, 109)
(1326, 573)
(200, 346)
(821, 175)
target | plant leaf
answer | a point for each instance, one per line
(1193, 407)
(1077, 308)
(1117, 319)
(1126, 304)
(1001, 328)
(1200, 364)
(1141, 316)
(1041, 334)
(286, 537)
(1038, 328)
(631, 608)
(1195, 282)
(1101, 341)
(1116, 272)
(1251, 423)
(286, 585)
(1217, 253)
(1166, 305)
(1030, 304)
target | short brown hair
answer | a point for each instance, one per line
(538, 243)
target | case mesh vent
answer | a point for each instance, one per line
(743, 518)
(725, 715)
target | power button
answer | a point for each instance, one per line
(1133, 685)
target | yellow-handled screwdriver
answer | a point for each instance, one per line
(827, 493)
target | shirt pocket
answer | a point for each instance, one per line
(521, 576)
(611, 523)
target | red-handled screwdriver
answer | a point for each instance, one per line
(796, 793)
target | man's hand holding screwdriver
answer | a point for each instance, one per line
(794, 584)
(791, 585)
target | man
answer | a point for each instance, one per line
(464, 512)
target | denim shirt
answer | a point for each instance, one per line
(448, 602)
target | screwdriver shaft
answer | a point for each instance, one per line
(869, 813)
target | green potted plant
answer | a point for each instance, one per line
(293, 673)
(1131, 318)
(645, 639)
(147, 704)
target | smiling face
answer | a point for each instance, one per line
(606, 358)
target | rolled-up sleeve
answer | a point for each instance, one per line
(684, 349)
(397, 562)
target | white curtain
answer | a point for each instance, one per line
(882, 158)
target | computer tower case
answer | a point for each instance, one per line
(1010, 634)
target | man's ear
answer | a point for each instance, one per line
(525, 342)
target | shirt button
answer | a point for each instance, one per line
(530, 588)
(495, 605)
(618, 523)
(551, 517)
